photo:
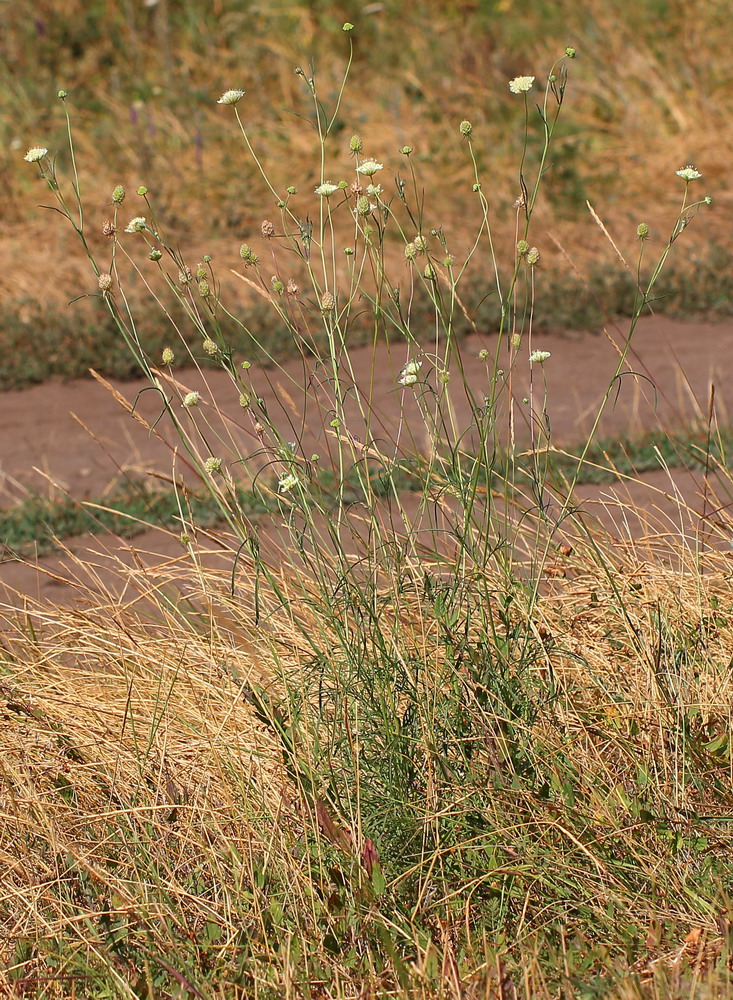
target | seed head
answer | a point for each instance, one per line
(533, 256)
(410, 251)
(642, 231)
(191, 399)
(248, 255)
(204, 289)
(108, 228)
(328, 303)
(35, 153)
(267, 228)
(465, 128)
(363, 205)
(167, 356)
(210, 347)
(118, 195)
(231, 97)
(522, 248)
(292, 287)
(355, 144)
(521, 84)
(420, 243)
(708, 200)
(429, 272)
(185, 275)
(104, 281)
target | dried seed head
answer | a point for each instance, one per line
(268, 228)
(105, 281)
(108, 228)
(292, 287)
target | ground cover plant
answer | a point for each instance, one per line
(429, 734)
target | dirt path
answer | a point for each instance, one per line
(76, 437)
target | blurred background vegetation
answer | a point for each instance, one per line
(649, 92)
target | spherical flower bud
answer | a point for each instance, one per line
(104, 281)
(191, 399)
(570, 52)
(155, 254)
(291, 189)
(246, 365)
(328, 302)
(335, 423)
(521, 84)
(642, 230)
(212, 465)
(167, 356)
(708, 200)
(406, 150)
(206, 258)
(538, 357)
(348, 251)
(142, 191)
(347, 26)
(267, 228)
(210, 347)
(533, 256)
(449, 261)
(231, 97)
(62, 95)
(326, 189)
(277, 285)
(136, 225)
(689, 174)
(342, 185)
(35, 153)
(185, 539)
(369, 168)
(118, 195)
(522, 248)
(465, 128)
(355, 144)
(287, 483)
(476, 188)
(444, 377)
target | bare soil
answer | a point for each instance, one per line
(75, 437)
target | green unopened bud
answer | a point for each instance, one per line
(355, 144)
(291, 189)
(476, 188)
(449, 261)
(142, 190)
(155, 254)
(642, 231)
(465, 128)
(247, 254)
(570, 52)
(406, 150)
(62, 95)
(429, 272)
(246, 365)
(118, 195)
(277, 285)
(708, 200)
(347, 26)
(335, 423)
(348, 251)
